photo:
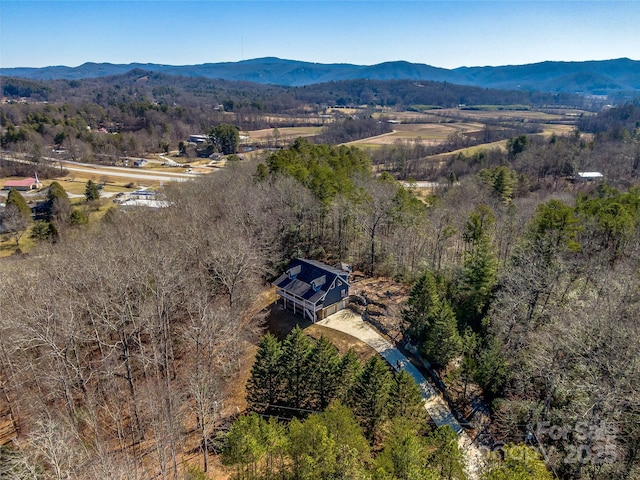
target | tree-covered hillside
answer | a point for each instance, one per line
(618, 77)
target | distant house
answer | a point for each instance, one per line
(198, 139)
(144, 194)
(23, 185)
(312, 288)
(140, 163)
(588, 176)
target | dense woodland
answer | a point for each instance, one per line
(121, 342)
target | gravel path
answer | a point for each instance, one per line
(351, 323)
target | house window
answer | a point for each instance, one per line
(294, 271)
(343, 293)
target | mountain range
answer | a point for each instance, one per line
(605, 77)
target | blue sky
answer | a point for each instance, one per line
(441, 33)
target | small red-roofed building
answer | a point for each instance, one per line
(25, 184)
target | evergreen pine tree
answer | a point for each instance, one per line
(91, 191)
(404, 454)
(520, 463)
(445, 455)
(406, 398)
(17, 200)
(43, 230)
(480, 270)
(274, 434)
(423, 298)
(264, 387)
(78, 217)
(16, 216)
(328, 445)
(312, 450)
(325, 363)
(480, 274)
(245, 445)
(442, 342)
(433, 321)
(352, 449)
(295, 367)
(58, 204)
(348, 372)
(371, 395)
(491, 370)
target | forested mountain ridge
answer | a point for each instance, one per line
(232, 95)
(605, 77)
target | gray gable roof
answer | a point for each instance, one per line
(309, 279)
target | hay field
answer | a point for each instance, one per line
(285, 133)
(534, 115)
(428, 133)
(434, 127)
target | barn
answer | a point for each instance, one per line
(25, 184)
(312, 288)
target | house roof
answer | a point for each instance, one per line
(590, 175)
(308, 279)
(25, 182)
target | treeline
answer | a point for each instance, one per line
(127, 332)
(29, 169)
(412, 159)
(293, 378)
(331, 444)
(544, 161)
(615, 123)
(350, 129)
(402, 94)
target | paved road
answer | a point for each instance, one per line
(99, 170)
(351, 323)
(138, 174)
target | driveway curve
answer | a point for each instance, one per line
(352, 324)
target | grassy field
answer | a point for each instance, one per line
(8, 245)
(75, 183)
(428, 133)
(285, 133)
(513, 115)
(434, 127)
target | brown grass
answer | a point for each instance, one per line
(285, 133)
(342, 341)
(280, 322)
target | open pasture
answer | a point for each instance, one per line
(435, 126)
(428, 133)
(283, 134)
(510, 115)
